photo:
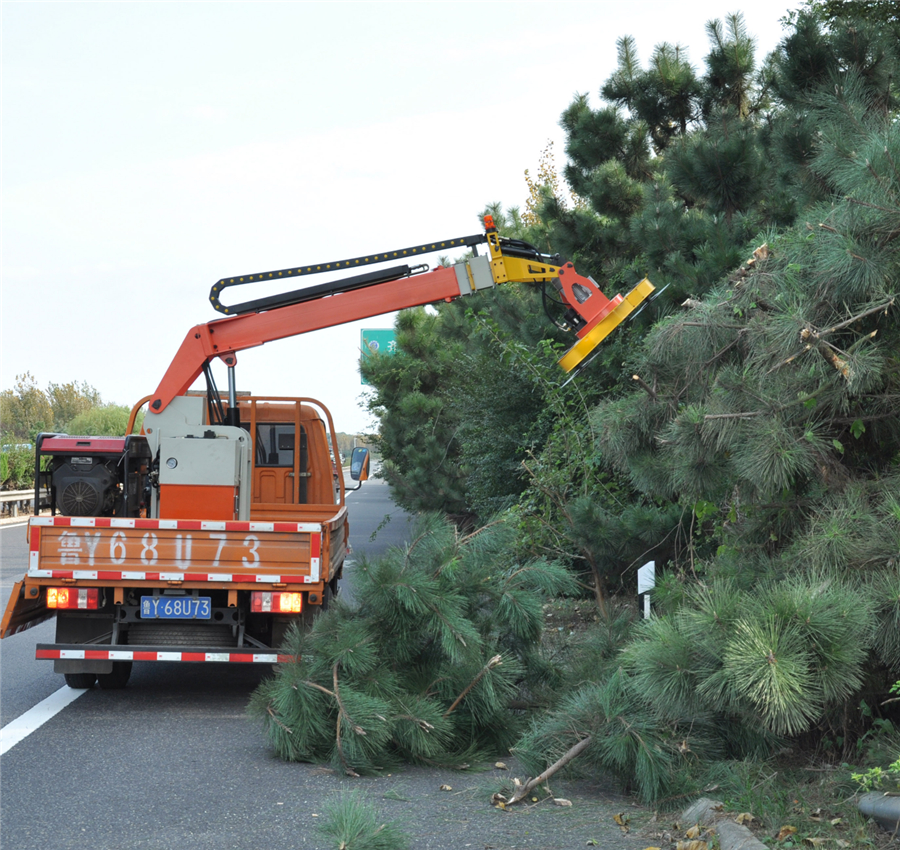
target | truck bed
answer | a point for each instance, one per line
(103, 550)
(131, 559)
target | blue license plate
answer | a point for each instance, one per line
(175, 607)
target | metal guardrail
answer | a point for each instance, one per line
(22, 495)
(17, 498)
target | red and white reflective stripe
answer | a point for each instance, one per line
(109, 575)
(137, 655)
(34, 548)
(173, 524)
(315, 555)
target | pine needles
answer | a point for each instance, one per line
(354, 824)
(424, 668)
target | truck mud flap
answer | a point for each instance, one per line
(23, 612)
(194, 654)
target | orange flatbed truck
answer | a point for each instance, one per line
(208, 535)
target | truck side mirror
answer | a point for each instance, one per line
(359, 464)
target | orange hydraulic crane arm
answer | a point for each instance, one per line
(589, 313)
(225, 337)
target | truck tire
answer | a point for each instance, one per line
(80, 681)
(121, 673)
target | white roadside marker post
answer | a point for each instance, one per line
(646, 583)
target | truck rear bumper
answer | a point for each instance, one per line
(218, 655)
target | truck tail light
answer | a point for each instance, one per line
(262, 602)
(73, 597)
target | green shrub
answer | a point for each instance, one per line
(17, 467)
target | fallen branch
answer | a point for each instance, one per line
(522, 791)
(424, 725)
(318, 687)
(275, 718)
(494, 662)
(343, 715)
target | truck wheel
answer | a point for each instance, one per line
(121, 672)
(80, 681)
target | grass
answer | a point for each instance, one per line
(352, 823)
(796, 802)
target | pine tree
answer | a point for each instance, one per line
(662, 214)
(768, 409)
(775, 399)
(417, 427)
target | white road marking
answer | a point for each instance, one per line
(34, 718)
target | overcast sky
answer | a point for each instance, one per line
(149, 149)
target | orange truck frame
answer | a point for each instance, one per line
(223, 524)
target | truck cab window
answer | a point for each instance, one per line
(275, 444)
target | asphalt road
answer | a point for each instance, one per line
(172, 761)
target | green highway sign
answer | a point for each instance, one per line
(377, 341)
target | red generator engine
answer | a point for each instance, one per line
(93, 476)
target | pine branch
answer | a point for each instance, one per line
(411, 547)
(640, 558)
(343, 715)
(885, 306)
(446, 450)
(809, 333)
(424, 725)
(443, 619)
(841, 365)
(644, 386)
(337, 696)
(750, 414)
(318, 687)
(473, 534)
(859, 203)
(522, 791)
(871, 417)
(494, 662)
(629, 728)
(790, 359)
(721, 351)
(275, 718)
